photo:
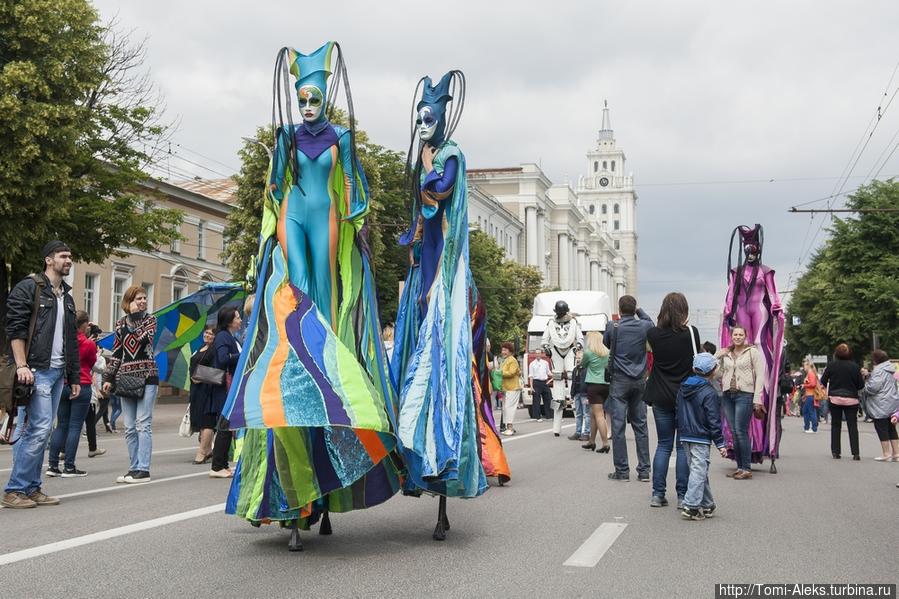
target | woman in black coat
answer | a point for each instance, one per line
(226, 353)
(201, 420)
(843, 380)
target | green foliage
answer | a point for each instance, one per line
(508, 289)
(73, 117)
(851, 288)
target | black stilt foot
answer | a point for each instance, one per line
(439, 532)
(442, 521)
(773, 469)
(325, 527)
(294, 544)
(446, 525)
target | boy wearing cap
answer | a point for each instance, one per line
(52, 359)
(699, 425)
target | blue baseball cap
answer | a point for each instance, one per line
(704, 363)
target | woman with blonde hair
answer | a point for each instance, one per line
(595, 360)
(809, 404)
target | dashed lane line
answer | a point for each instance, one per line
(596, 545)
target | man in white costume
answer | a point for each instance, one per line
(562, 338)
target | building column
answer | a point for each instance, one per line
(564, 262)
(531, 234)
(572, 253)
(582, 281)
(541, 244)
(594, 276)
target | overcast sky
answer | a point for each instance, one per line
(704, 97)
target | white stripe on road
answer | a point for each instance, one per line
(180, 449)
(589, 554)
(18, 556)
(120, 486)
(517, 437)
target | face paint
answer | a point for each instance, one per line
(311, 102)
(426, 123)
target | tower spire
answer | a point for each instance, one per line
(606, 131)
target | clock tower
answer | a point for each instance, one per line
(607, 195)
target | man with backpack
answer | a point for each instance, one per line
(40, 326)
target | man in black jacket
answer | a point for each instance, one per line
(51, 360)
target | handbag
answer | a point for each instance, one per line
(209, 375)
(184, 427)
(12, 392)
(819, 393)
(607, 374)
(130, 385)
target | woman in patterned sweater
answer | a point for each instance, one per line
(132, 373)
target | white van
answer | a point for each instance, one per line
(593, 309)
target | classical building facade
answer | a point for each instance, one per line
(581, 237)
(167, 273)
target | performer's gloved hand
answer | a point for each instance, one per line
(759, 411)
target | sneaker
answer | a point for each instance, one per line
(692, 513)
(121, 479)
(223, 473)
(53, 471)
(17, 501)
(743, 475)
(657, 501)
(73, 473)
(619, 477)
(709, 512)
(40, 498)
(95, 453)
(138, 476)
(507, 432)
(643, 478)
(680, 503)
(574, 437)
(540, 420)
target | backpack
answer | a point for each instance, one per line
(785, 383)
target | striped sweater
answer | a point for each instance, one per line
(132, 350)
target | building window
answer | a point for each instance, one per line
(176, 246)
(617, 244)
(595, 166)
(592, 208)
(151, 289)
(179, 285)
(605, 209)
(91, 282)
(605, 225)
(201, 240)
(617, 225)
(605, 165)
(617, 209)
(120, 282)
(613, 166)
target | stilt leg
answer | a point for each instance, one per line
(294, 544)
(325, 527)
(440, 529)
(773, 469)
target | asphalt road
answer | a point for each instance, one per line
(817, 520)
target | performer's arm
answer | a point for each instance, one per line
(544, 341)
(439, 186)
(357, 194)
(278, 165)
(771, 287)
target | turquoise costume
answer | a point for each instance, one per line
(312, 390)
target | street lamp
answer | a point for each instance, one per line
(256, 141)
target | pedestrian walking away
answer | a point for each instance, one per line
(843, 380)
(674, 344)
(132, 373)
(883, 404)
(627, 340)
(595, 361)
(43, 342)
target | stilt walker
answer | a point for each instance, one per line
(449, 440)
(561, 338)
(312, 388)
(753, 303)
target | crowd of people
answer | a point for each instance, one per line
(700, 397)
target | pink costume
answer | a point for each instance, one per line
(753, 303)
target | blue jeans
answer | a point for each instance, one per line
(138, 414)
(626, 403)
(699, 493)
(115, 404)
(69, 420)
(738, 411)
(28, 452)
(581, 414)
(666, 429)
(809, 413)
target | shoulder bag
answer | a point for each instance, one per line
(12, 392)
(608, 371)
(208, 375)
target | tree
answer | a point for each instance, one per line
(851, 288)
(76, 121)
(508, 288)
(384, 170)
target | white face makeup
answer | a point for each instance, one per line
(311, 102)
(426, 123)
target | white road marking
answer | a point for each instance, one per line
(180, 449)
(592, 550)
(517, 437)
(119, 487)
(18, 556)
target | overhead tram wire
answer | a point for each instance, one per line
(195, 153)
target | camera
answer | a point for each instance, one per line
(22, 393)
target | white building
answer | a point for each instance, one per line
(487, 214)
(579, 238)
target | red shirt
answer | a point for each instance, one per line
(87, 351)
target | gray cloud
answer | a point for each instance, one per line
(699, 92)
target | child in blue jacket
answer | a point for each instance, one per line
(699, 426)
